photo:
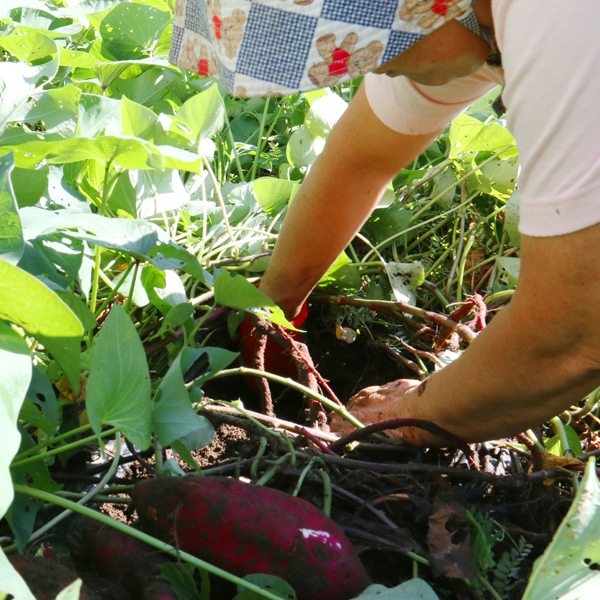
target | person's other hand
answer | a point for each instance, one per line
(374, 404)
(277, 360)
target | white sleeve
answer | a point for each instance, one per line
(414, 109)
(551, 58)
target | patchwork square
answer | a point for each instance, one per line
(176, 41)
(276, 45)
(398, 42)
(368, 13)
(196, 18)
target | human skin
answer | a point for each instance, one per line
(540, 355)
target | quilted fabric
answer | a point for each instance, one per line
(278, 47)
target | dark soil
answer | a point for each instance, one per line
(387, 500)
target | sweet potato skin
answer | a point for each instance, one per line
(245, 529)
(117, 556)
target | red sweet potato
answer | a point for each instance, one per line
(120, 557)
(247, 529)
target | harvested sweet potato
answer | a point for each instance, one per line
(245, 529)
(119, 557)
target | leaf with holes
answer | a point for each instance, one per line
(570, 567)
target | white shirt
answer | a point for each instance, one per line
(551, 73)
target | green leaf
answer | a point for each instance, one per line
(179, 314)
(42, 393)
(511, 267)
(164, 288)
(237, 292)
(469, 136)
(273, 194)
(181, 579)
(185, 455)
(129, 29)
(75, 58)
(570, 567)
(171, 256)
(137, 120)
(150, 86)
(95, 114)
(18, 83)
(10, 581)
(29, 185)
(554, 445)
(118, 391)
(172, 415)
(58, 110)
(274, 584)
(28, 303)
(71, 592)
(127, 235)
(413, 589)
(126, 152)
(11, 231)
(341, 275)
(218, 359)
(29, 46)
(16, 375)
(200, 117)
(79, 308)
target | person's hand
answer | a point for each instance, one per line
(374, 404)
(277, 360)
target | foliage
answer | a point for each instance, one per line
(131, 192)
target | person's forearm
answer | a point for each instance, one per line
(344, 185)
(539, 356)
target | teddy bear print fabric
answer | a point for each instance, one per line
(278, 47)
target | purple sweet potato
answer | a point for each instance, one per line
(247, 529)
(120, 557)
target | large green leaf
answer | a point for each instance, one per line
(127, 152)
(11, 582)
(118, 391)
(200, 117)
(16, 375)
(129, 29)
(27, 302)
(137, 120)
(172, 415)
(58, 110)
(570, 567)
(11, 231)
(171, 256)
(95, 114)
(18, 83)
(134, 237)
(29, 46)
(468, 136)
(29, 184)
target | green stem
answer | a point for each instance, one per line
(114, 291)
(340, 410)
(259, 143)
(461, 267)
(236, 155)
(143, 537)
(51, 442)
(107, 190)
(132, 287)
(65, 448)
(97, 488)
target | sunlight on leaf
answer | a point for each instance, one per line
(28, 303)
(11, 231)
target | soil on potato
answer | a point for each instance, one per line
(384, 514)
